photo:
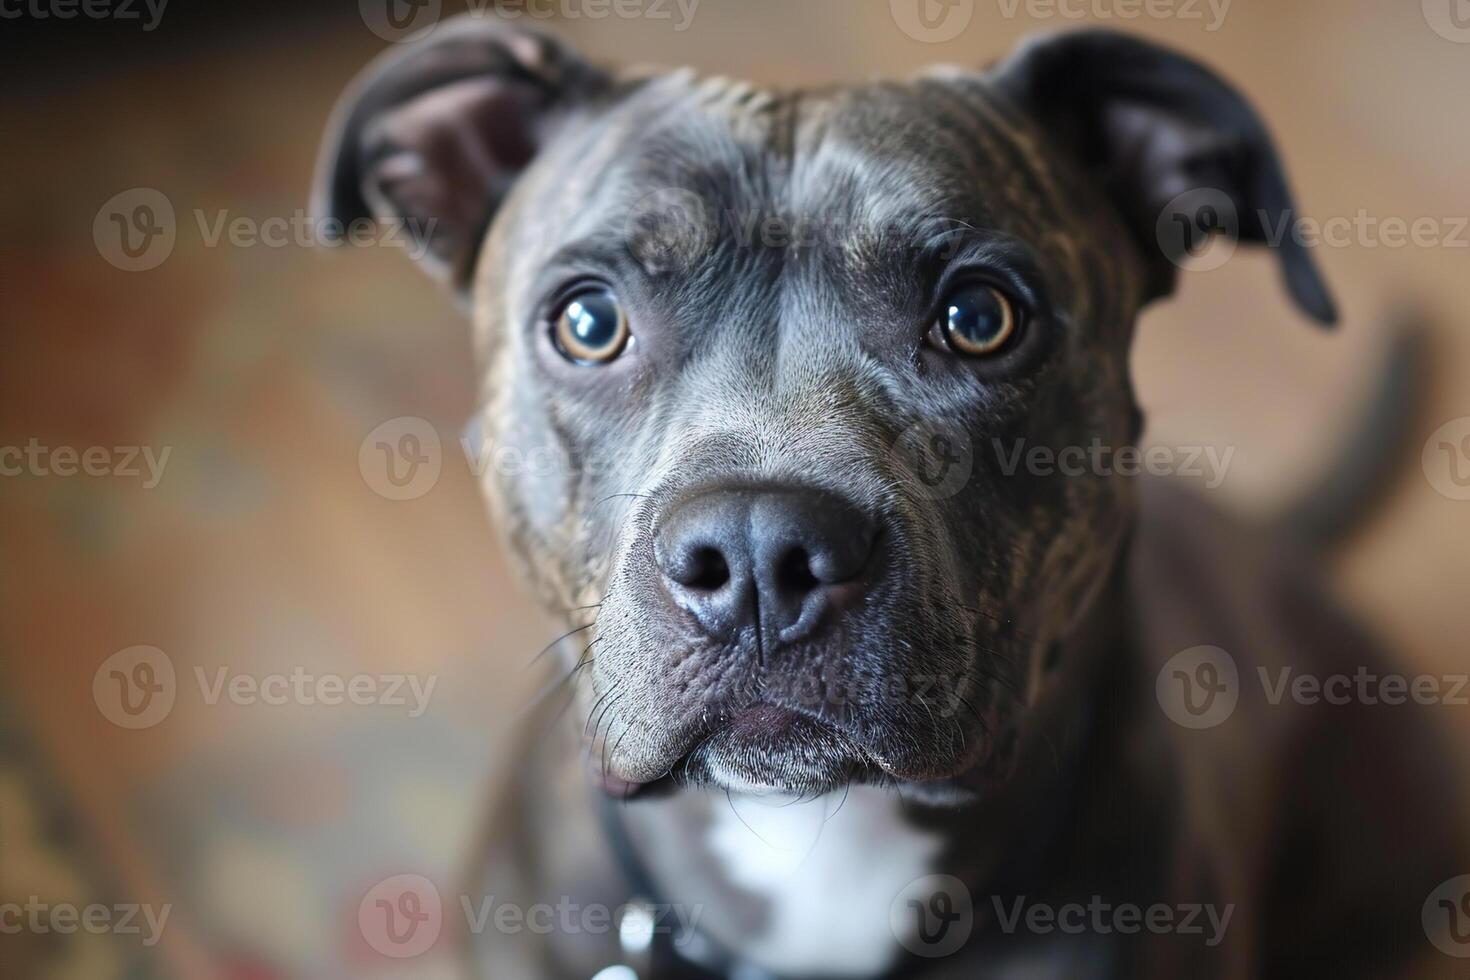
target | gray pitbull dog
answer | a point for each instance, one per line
(872, 697)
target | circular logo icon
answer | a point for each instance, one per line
(1199, 687)
(1446, 917)
(1197, 229)
(932, 21)
(938, 462)
(933, 916)
(399, 20)
(135, 230)
(402, 916)
(1450, 19)
(1446, 459)
(135, 688)
(669, 229)
(401, 458)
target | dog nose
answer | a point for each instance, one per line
(773, 560)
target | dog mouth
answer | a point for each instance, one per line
(770, 748)
(763, 748)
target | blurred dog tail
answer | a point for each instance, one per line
(1375, 444)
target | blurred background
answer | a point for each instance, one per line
(196, 503)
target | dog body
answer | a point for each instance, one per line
(787, 348)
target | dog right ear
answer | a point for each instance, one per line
(434, 136)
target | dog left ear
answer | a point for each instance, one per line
(1151, 125)
(435, 135)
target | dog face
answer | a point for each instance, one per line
(782, 357)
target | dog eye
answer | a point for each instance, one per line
(977, 319)
(590, 327)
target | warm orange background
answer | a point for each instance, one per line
(263, 548)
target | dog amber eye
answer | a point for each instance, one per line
(977, 319)
(590, 328)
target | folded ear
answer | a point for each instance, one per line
(1151, 125)
(434, 135)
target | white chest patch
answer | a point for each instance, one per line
(828, 870)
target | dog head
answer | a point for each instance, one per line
(782, 357)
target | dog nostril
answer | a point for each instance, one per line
(708, 570)
(794, 572)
